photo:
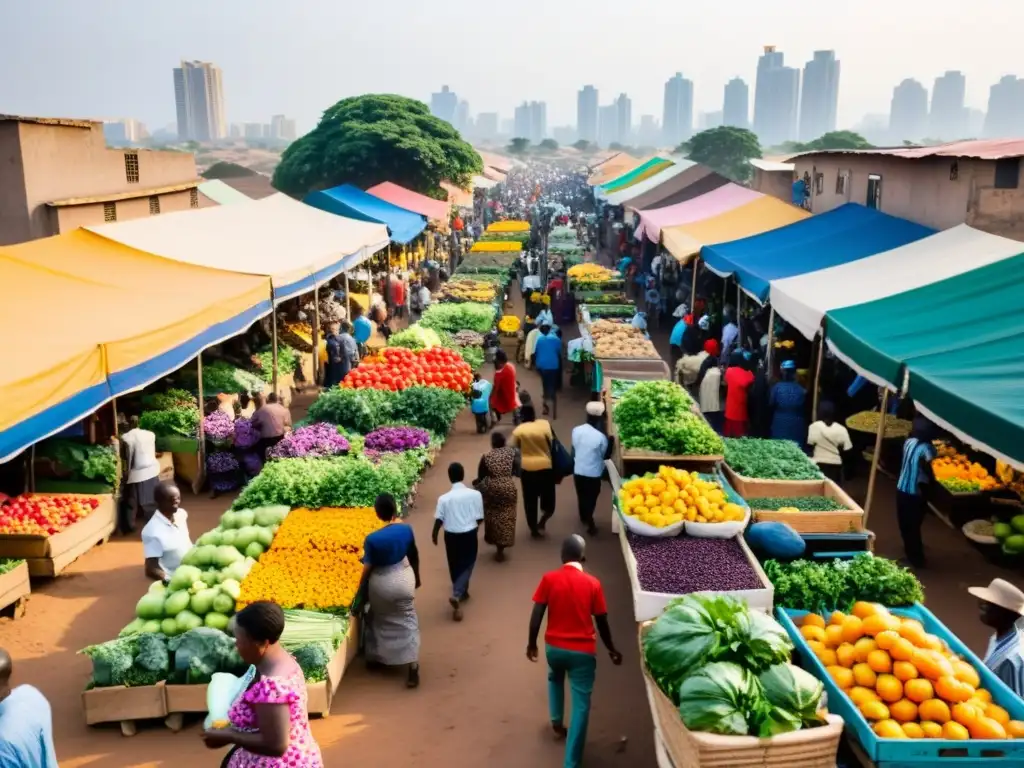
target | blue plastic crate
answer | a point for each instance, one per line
(905, 753)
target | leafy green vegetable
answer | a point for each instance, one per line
(803, 503)
(361, 410)
(823, 586)
(769, 459)
(181, 420)
(796, 693)
(313, 659)
(430, 408)
(7, 565)
(455, 317)
(416, 336)
(474, 356)
(656, 416)
(91, 462)
(200, 652)
(112, 660)
(152, 663)
(287, 362)
(161, 401)
(220, 376)
(722, 698)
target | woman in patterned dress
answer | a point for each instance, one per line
(269, 727)
(496, 482)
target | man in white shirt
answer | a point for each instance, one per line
(589, 451)
(143, 475)
(459, 512)
(165, 539)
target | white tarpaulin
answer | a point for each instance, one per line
(482, 182)
(623, 195)
(802, 301)
(294, 244)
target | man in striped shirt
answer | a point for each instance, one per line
(915, 472)
(1002, 606)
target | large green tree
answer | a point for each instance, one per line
(725, 149)
(518, 146)
(834, 140)
(368, 139)
(548, 145)
(583, 146)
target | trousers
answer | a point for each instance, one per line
(588, 489)
(580, 668)
(461, 550)
(538, 486)
(910, 516)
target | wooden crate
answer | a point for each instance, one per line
(320, 695)
(14, 589)
(124, 705)
(49, 555)
(755, 487)
(849, 520)
(810, 748)
(624, 457)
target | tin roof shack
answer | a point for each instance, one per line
(772, 177)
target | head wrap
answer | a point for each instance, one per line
(704, 323)
(712, 348)
(595, 409)
(680, 311)
(788, 365)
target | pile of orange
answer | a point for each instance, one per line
(903, 679)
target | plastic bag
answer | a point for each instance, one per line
(222, 692)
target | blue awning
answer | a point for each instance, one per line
(346, 200)
(845, 234)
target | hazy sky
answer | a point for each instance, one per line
(113, 58)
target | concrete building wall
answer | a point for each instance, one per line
(14, 221)
(71, 217)
(778, 184)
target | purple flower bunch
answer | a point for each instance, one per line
(252, 463)
(220, 462)
(219, 426)
(224, 485)
(314, 441)
(395, 439)
(246, 435)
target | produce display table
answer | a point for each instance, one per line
(47, 556)
(14, 589)
(848, 520)
(636, 461)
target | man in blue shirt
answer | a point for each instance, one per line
(480, 402)
(362, 329)
(675, 339)
(915, 472)
(26, 723)
(589, 451)
(547, 361)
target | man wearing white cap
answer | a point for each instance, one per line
(589, 450)
(1002, 606)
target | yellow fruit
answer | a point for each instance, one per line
(886, 639)
(902, 650)
(889, 688)
(864, 675)
(904, 671)
(812, 629)
(834, 635)
(982, 695)
(965, 713)
(1015, 729)
(986, 728)
(933, 643)
(903, 710)
(860, 695)
(913, 730)
(837, 618)
(998, 714)
(864, 646)
(874, 710)
(931, 730)
(842, 676)
(880, 662)
(852, 629)
(935, 710)
(889, 729)
(932, 665)
(847, 655)
(862, 609)
(955, 732)
(828, 658)
(918, 690)
(965, 673)
(950, 689)
(877, 623)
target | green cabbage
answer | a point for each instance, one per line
(722, 698)
(682, 638)
(795, 692)
(760, 642)
(150, 606)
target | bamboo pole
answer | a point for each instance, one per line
(874, 459)
(273, 345)
(348, 303)
(113, 413)
(771, 344)
(817, 375)
(201, 473)
(316, 334)
(739, 315)
(693, 288)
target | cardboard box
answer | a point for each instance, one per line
(120, 704)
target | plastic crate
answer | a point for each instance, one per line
(903, 753)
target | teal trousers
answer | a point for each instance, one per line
(580, 669)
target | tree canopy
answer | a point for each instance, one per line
(369, 139)
(725, 149)
(227, 170)
(583, 146)
(831, 140)
(548, 145)
(518, 145)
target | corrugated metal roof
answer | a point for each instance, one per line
(69, 122)
(771, 165)
(980, 149)
(112, 197)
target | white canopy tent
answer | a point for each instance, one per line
(296, 245)
(621, 196)
(803, 301)
(482, 182)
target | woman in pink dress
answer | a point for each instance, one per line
(269, 724)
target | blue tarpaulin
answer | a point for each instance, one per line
(845, 234)
(352, 202)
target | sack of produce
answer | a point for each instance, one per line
(221, 694)
(776, 541)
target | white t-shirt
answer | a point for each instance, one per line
(828, 441)
(166, 541)
(142, 449)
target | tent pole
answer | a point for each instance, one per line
(386, 284)
(348, 305)
(817, 375)
(739, 315)
(273, 346)
(201, 472)
(874, 459)
(771, 342)
(113, 413)
(693, 288)
(316, 334)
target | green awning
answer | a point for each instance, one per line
(957, 345)
(638, 174)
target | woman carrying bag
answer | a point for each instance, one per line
(543, 466)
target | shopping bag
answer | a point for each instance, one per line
(561, 460)
(222, 692)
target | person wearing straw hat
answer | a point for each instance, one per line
(1001, 606)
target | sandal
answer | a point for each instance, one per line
(414, 676)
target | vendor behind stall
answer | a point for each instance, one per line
(143, 475)
(1002, 608)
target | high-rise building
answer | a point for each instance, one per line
(508, 127)
(487, 125)
(1005, 108)
(948, 118)
(677, 122)
(531, 121)
(819, 100)
(649, 132)
(586, 113)
(624, 118)
(463, 122)
(125, 131)
(199, 100)
(523, 122)
(444, 104)
(252, 130)
(776, 98)
(736, 107)
(277, 126)
(708, 120)
(607, 125)
(288, 130)
(908, 113)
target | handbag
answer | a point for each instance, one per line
(561, 459)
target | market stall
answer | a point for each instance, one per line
(14, 586)
(49, 532)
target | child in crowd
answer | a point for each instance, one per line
(479, 404)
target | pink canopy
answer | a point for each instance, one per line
(713, 203)
(434, 210)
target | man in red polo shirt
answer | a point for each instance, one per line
(574, 601)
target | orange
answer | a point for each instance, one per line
(889, 729)
(965, 673)
(997, 713)
(812, 620)
(933, 642)
(951, 689)
(965, 713)
(874, 710)
(986, 728)
(889, 688)
(859, 694)
(918, 690)
(886, 639)
(880, 623)
(932, 665)
(902, 650)
(1015, 729)
(863, 647)
(852, 629)
(842, 676)
(934, 709)
(880, 661)
(834, 635)
(836, 618)
(864, 675)
(903, 710)
(955, 732)
(816, 646)
(862, 609)
(904, 671)
(913, 630)
(828, 657)
(931, 730)
(846, 654)
(982, 695)
(812, 632)
(913, 730)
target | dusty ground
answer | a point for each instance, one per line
(481, 702)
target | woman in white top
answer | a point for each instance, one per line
(143, 473)
(709, 386)
(165, 538)
(829, 439)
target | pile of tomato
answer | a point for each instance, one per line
(397, 368)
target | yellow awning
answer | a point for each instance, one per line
(685, 241)
(87, 319)
(612, 169)
(509, 226)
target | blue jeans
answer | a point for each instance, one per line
(581, 668)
